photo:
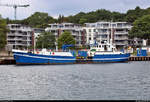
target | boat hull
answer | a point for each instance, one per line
(111, 58)
(29, 58)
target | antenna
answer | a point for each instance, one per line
(15, 8)
(111, 39)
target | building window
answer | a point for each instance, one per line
(94, 30)
(89, 30)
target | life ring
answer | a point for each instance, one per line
(53, 53)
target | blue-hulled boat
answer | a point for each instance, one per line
(106, 52)
(43, 57)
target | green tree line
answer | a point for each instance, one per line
(41, 19)
(3, 31)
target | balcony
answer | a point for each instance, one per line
(121, 38)
(121, 32)
(15, 39)
(19, 29)
(121, 43)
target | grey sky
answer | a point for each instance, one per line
(68, 7)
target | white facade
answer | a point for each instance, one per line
(101, 31)
(75, 29)
(90, 34)
(19, 36)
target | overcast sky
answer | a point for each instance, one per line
(68, 7)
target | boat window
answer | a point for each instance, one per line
(99, 45)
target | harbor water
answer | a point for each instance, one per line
(113, 81)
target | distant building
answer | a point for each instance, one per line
(100, 31)
(19, 36)
(75, 29)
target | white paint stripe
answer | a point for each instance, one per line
(43, 57)
(69, 59)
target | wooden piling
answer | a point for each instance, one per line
(139, 58)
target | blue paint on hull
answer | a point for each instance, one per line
(28, 58)
(111, 58)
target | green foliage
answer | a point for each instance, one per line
(141, 28)
(76, 18)
(116, 16)
(65, 38)
(132, 15)
(38, 20)
(14, 21)
(82, 21)
(3, 31)
(95, 16)
(46, 40)
(61, 19)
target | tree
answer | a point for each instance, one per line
(76, 18)
(3, 31)
(65, 38)
(82, 21)
(61, 19)
(141, 28)
(133, 15)
(46, 40)
(39, 20)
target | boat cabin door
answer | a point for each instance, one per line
(105, 48)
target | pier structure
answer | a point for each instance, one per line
(4, 60)
(139, 58)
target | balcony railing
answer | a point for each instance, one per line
(20, 29)
(120, 38)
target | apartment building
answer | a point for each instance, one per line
(19, 36)
(75, 29)
(101, 31)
